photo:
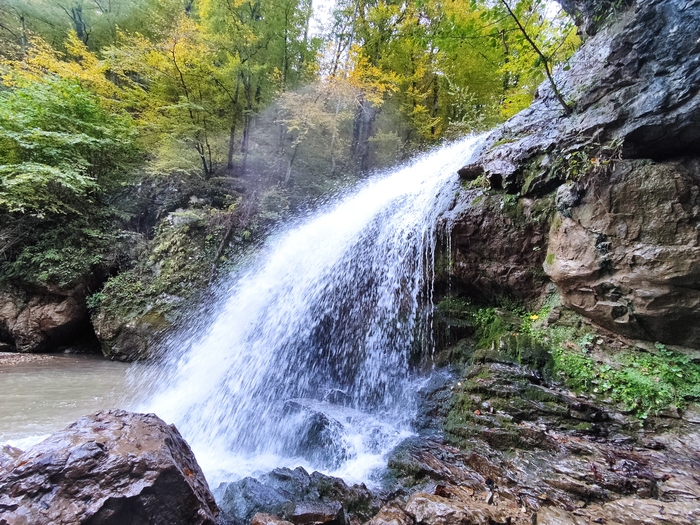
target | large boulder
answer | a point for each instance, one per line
(41, 320)
(111, 468)
(133, 339)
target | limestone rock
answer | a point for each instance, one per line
(497, 248)
(36, 321)
(110, 468)
(628, 257)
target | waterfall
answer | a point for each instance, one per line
(307, 357)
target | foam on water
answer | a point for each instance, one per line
(306, 360)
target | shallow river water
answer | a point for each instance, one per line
(40, 397)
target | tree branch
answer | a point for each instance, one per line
(545, 59)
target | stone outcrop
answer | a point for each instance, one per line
(42, 320)
(635, 86)
(627, 254)
(619, 176)
(132, 340)
(110, 468)
(496, 248)
(521, 451)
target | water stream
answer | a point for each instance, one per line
(307, 359)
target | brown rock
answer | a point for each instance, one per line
(628, 257)
(267, 519)
(111, 468)
(391, 515)
(34, 322)
(556, 516)
(496, 248)
(429, 509)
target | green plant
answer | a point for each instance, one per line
(644, 382)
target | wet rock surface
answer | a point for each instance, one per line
(500, 442)
(494, 247)
(297, 497)
(522, 450)
(636, 84)
(617, 180)
(114, 467)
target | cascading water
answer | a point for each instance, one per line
(307, 359)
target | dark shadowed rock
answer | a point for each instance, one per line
(497, 246)
(132, 340)
(590, 15)
(111, 468)
(247, 497)
(298, 497)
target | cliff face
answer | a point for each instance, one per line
(616, 183)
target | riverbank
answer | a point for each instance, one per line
(16, 358)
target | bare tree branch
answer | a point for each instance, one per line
(543, 57)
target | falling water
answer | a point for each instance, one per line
(307, 358)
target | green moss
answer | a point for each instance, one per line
(645, 383)
(172, 270)
(550, 259)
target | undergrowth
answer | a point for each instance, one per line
(646, 383)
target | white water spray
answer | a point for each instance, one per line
(307, 360)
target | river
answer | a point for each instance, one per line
(42, 396)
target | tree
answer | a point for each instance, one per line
(544, 60)
(59, 148)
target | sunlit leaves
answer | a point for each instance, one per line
(58, 147)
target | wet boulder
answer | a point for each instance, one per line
(298, 497)
(110, 468)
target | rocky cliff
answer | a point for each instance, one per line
(606, 199)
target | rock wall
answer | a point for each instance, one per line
(619, 175)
